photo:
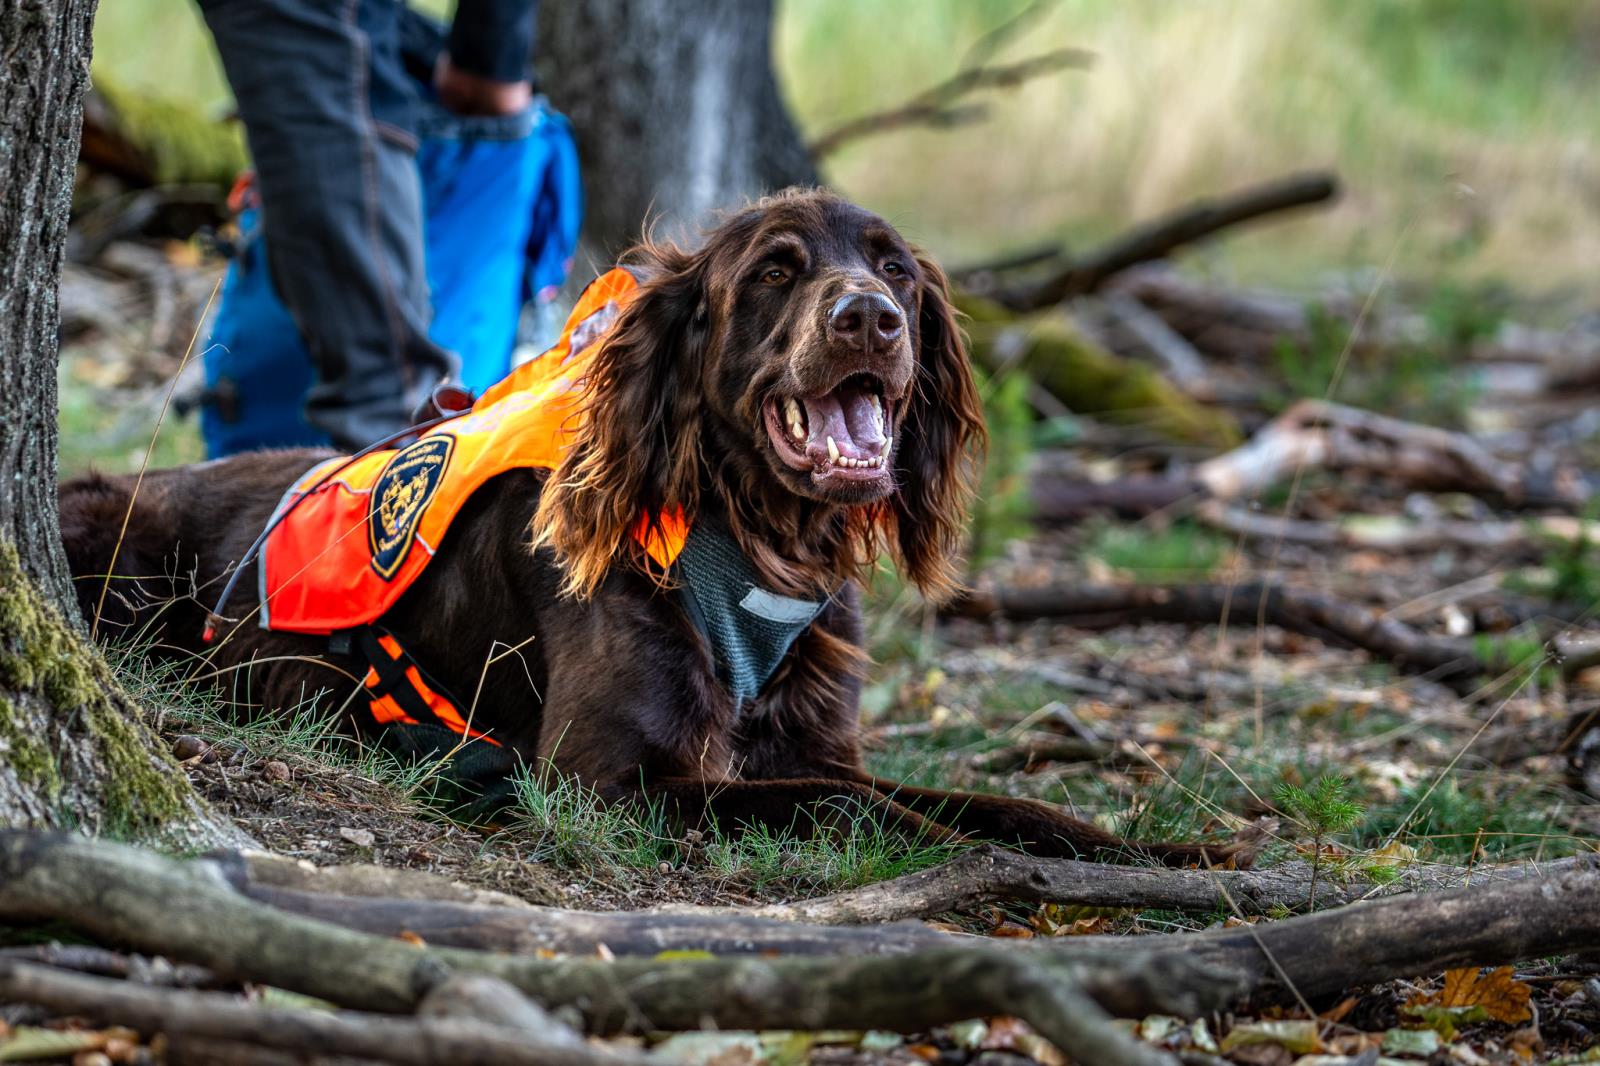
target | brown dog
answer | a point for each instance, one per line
(798, 383)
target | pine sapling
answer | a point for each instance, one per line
(1325, 808)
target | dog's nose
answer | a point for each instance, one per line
(865, 321)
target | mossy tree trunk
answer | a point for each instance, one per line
(73, 749)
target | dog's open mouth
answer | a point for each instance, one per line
(844, 433)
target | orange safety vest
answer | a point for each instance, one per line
(347, 548)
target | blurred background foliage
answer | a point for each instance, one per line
(1467, 131)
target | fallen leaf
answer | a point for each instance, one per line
(407, 936)
(1501, 996)
(1393, 853)
(1345, 1006)
(361, 838)
(1011, 929)
(1298, 1035)
(1445, 1020)
(1419, 1042)
(968, 1035)
(879, 1040)
(31, 1042)
(270, 996)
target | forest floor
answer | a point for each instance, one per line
(1154, 730)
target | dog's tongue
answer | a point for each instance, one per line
(848, 415)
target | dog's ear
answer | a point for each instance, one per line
(941, 438)
(633, 454)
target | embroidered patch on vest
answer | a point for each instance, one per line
(400, 496)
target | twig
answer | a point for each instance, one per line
(941, 105)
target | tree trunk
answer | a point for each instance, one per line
(73, 750)
(676, 110)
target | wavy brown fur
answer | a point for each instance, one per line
(651, 441)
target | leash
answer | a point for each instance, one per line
(214, 616)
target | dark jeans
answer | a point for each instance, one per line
(329, 111)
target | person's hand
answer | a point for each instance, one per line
(469, 94)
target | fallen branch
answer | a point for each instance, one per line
(118, 893)
(124, 895)
(871, 919)
(1243, 325)
(1307, 611)
(1161, 237)
(1396, 535)
(1316, 435)
(223, 1017)
(995, 875)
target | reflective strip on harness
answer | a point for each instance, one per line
(400, 696)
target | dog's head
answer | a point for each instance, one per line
(803, 365)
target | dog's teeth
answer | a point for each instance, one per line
(883, 451)
(791, 410)
(833, 450)
(797, 431)
(877, 406)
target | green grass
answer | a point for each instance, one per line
(1471, 814)
(1180, 551)
(1422, 381)
(562, 822)
(305, 734)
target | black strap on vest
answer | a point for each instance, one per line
(392, 679)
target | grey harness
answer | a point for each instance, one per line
(749, 629)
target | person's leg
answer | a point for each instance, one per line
(320, 89)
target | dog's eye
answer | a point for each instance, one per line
(893, 269)
(774, 275)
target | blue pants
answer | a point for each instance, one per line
(330, 111)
